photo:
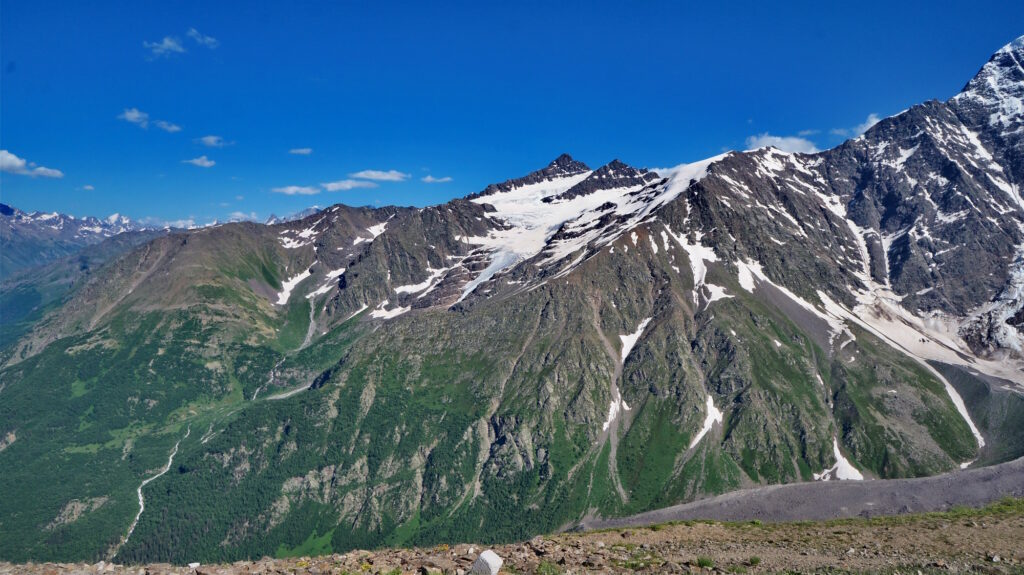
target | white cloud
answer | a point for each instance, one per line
(169, 45)
(201, 161)
(784, 143)
(167, 126)
(343, 185)
(184, 223)
(208, 41)
(135, 116)
(141, 119)
(242, 216)
(805, 133)
(380, 175)
(296, 190)
(239, 197)
(857, 130)
(213, 141)
(301, 151)
(871, 120)
(88, 187)
(432, 180)
(15, 165)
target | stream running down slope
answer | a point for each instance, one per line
(142, 502)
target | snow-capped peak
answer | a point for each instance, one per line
(117, 219)
(998, 88)
(543, 219)
(563, 166)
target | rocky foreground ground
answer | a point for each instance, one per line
(989, 540)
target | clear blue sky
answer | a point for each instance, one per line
(472, 91)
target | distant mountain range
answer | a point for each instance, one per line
(273, 219)
(574, 343)
(35, 238)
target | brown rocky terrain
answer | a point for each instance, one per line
(958, 541)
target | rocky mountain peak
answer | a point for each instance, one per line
(564, 166)
(997, 90)
(614, 174)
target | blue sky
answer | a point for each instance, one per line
(118, 96)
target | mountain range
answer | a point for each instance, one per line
(572, 344)
(33, 238)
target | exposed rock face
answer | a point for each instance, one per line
(610, 176)
(74, 510)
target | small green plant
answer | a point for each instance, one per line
(705, 562)
(548, 568)
(754, 561)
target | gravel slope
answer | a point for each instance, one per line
(834, 499)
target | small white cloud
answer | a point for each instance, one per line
(380, 175)
(167, 126)
(88, 187)
(871, 120)
(242, 216)
(201, 161)
(14, 165)
(784, 143)
(432, 180)
(301, 151)
(213, 141)
(343, 185)
(239, 197)
(185, 223)
(805, 133)
(169, 45)
(208, 41)
(135, 116)
(296, 190)
(839, 132)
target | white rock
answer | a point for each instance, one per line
(193, 566)
(488, 563)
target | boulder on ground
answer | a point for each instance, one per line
(488, 563)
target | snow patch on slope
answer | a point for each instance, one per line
(630, 339)
(699, 256)
(289, 285)
(382, 313)
(917, 340)
(617, 405)
(843, 470)
(435, 274)
(714, 415)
